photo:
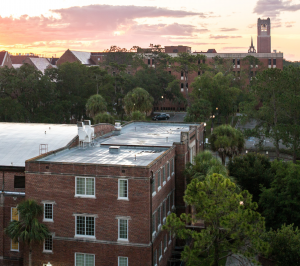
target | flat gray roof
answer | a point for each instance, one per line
(148, 134)
(130, 156)
(21, 141)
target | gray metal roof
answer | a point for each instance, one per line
(149, 134)
(130, 156)
(21, 141)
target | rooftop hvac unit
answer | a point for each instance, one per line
(85, 131)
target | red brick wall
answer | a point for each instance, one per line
(102, 129)
(11, 257)
(58, 184)
(68, 56)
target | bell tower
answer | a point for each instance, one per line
(264, 35)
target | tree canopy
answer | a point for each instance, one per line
(138, 100)
(232, 225)
(227, 141)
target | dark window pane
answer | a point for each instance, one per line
(19, 182)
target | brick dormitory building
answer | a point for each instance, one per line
(106, 190)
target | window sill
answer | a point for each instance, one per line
(154, 193)
(160, 258)
(165, 250)
(126, 199)
(164, 183)
(169, 178)
(154, 234)
(159, 188)
(47, 252)
(159, 227)
(14, 250)
(173, 207)
(85, 237)
(48, 221)
(123, 240)
(164, 220)
(173, 173)
(85, 197)
(170, 242)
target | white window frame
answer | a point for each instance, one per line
(155, 258)
(164, 211)
(159, 220)
(124, 258)
(173, 200)
(11, 213)
(165, 243)
(161, 251)
(154, 228)
(84, 195)
(173, 166)
(170, 238)
(169, 167)
(84, 256)
(154, 181)
(11, 249)
(85, 236)
(159, 183)
(48, 251)
(122, 198)
(123, 239)
(46, 219)
(163, 169)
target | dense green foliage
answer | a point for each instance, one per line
(232, 224)
(204, 164)
(227, 141)
(104, 118)
(281, 202)
(28, 229)
(138, 116)
(251, 171)
(284, 245)
(199, 111)
(138, 100)
(219, 90)
(95, 104)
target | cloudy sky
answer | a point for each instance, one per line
(51, 27)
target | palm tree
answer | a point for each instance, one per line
(95, 104)
(28, 229)
(227, 141)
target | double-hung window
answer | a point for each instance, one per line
(164, 175)
(173, 166)
(85, 226)
(123, 229)
(48, 212)
(14, 217)
(153, 186)
(85, 187)
(164, 211)
(123, 189)
(168, 170)
(48, 243)
(160, 251)
(82, 259)
(165, 242)
(159, 218)
(153, 224)
(155, 258)
(122, 261)
(158, 180)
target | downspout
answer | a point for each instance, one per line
(151, 229)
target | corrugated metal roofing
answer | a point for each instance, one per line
(21, 141)
(83, 57)
(40, 63)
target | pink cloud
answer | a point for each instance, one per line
(92, 24)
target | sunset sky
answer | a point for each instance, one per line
(51, 27)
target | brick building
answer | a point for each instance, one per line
(105, 203)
